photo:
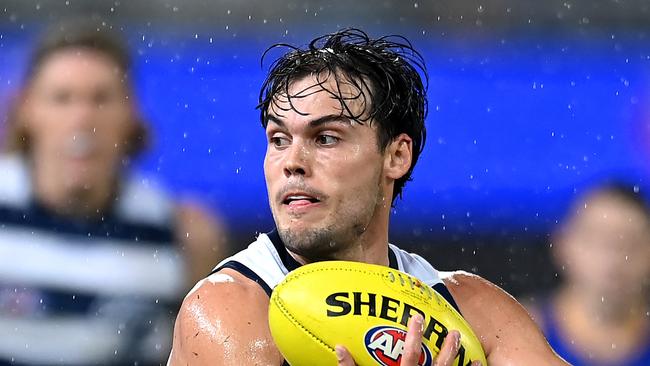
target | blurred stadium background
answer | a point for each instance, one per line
(529, 102)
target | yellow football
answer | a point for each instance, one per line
(365, 308)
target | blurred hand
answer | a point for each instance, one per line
(412, 344)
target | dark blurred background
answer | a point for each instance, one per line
(529, 102)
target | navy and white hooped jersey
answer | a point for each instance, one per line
(267, 261)
(82, 292)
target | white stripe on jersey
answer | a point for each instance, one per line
(41, 258)
(74, 340)
(16, 189)
(416, 266)
(262, 258)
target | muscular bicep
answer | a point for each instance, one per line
(508, 334)
(223, 323)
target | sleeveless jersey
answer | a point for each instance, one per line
(82, 292)
(267, 261)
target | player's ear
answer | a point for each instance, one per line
(398, 156)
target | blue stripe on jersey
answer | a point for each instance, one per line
(55, 302)
(37, 217)
(444, 292)
(289, 262)
(392, 260)
(247, 272)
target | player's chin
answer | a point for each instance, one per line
(300, 224)
(302, 215)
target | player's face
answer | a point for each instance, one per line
(323, 171)
(78, 115)
(606, 250)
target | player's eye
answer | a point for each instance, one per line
(279, 141)
(60, 97)
(327, 140)
(102, 98)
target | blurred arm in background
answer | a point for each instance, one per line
(202, 237)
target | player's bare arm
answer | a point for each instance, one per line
(220, 323)
(508, 334)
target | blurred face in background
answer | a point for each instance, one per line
(77, 115)
(605, 250)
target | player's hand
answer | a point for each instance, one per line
(412, 344)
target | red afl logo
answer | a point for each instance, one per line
(386, 344)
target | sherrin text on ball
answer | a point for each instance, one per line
(365, 308)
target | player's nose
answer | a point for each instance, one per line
(297, 160)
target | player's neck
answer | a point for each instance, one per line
(584, 324)
(602, 311)
(83, 201)
(373, 254)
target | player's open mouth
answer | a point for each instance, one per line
(299, 199)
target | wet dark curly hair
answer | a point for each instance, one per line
(386, 75)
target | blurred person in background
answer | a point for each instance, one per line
(599, 313)
(93, 262)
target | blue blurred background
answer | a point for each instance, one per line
(528, 103)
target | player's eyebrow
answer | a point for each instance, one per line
(313, 123)
(274, 119)
(329, 119)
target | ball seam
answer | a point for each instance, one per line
(295, 322)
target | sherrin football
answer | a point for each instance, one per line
(365, 308)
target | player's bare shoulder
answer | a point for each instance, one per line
(507, 332)
(223, 321)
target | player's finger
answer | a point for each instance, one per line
(449, 349)
(344, 357)
(477, 363)
(413, 341)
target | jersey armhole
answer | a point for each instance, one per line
(246, 272)
(444, 292)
